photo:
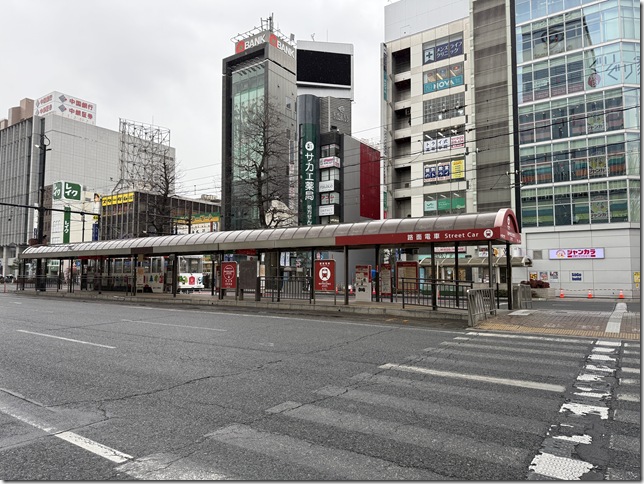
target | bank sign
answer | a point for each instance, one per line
(262, 38)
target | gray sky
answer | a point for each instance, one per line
(159, 61)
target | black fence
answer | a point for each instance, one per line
(436, 293)
(280, 288)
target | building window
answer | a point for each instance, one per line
(330, 174)
(330, 150)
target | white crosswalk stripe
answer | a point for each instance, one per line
(482, 405)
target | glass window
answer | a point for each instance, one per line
(542, 122)
(430, 206)
(541, 81)
(618, 195)
(561, 164)
(575, 68)
(579, 161)
(610, 23)
(614, 110)
(559, 119)
(525, 42)
(580, 204)
(558, 77)
(577, 116)
(595, 110)
(556, 44)
(634, 190)
(526, 125)
(616, 151)
(525, 83)
(598, 203)
(592, 23)
(573, 30)
(330, 174)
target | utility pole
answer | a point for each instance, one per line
(43, 147)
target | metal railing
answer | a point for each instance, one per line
(279, 288)
(523, 299)
(436, 293)
(480, 304)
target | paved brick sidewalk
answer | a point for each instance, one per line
(557, 322)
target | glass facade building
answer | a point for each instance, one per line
(578, 92)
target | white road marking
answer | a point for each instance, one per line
(168, 467)
(175, 325)
(560, 467)
(66, 339)
(71, 437)
(579, 439)
(519, 336)
(601, 358)
(628, 397)
(500, 381)
(94, 447)
(592, 394)
(589, 377)
(608, 343)
(626, 369)
(580, 409)
(339, 463)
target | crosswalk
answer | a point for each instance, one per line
(480, 406)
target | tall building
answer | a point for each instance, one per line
(53, 139)
(578, 82)
(53, 153)
(259, 130)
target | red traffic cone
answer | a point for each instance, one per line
(561, 294)
(621, 294)
(590, 294)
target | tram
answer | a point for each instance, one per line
(153, 274)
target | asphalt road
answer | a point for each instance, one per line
(102, 391)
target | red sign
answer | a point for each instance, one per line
(229, 275)
(324, 275)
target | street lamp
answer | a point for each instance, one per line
(43, 147)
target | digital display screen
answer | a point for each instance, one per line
(323, 67)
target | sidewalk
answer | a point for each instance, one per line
(595, 324)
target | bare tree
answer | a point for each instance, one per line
(260, 175)
(162, 182)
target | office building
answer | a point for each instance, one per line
(578, 82)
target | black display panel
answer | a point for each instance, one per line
(323, 67)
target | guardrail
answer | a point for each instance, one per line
(278, 288)
(480, 304)
(523, 299)
(437, 293)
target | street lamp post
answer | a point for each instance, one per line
(43, 147)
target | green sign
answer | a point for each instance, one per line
(308, 173)
(67, 222)
(66, 191)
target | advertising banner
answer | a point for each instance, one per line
(309, 156)
(229, 275)
(324, 275)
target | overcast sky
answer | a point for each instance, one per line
(159, 61)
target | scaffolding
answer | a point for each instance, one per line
(146, 161)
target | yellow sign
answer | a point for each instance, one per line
(118, 198)
(458, 169)
(636, 277)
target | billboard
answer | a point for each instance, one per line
(66, 106)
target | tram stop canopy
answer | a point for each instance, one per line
(493, 228)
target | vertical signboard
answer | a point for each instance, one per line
(308, 169)
(228, 275)
(324, 275)
(385, 280)
(67, 220)
(407, 271)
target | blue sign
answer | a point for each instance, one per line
(577, 276)
(94, 231)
